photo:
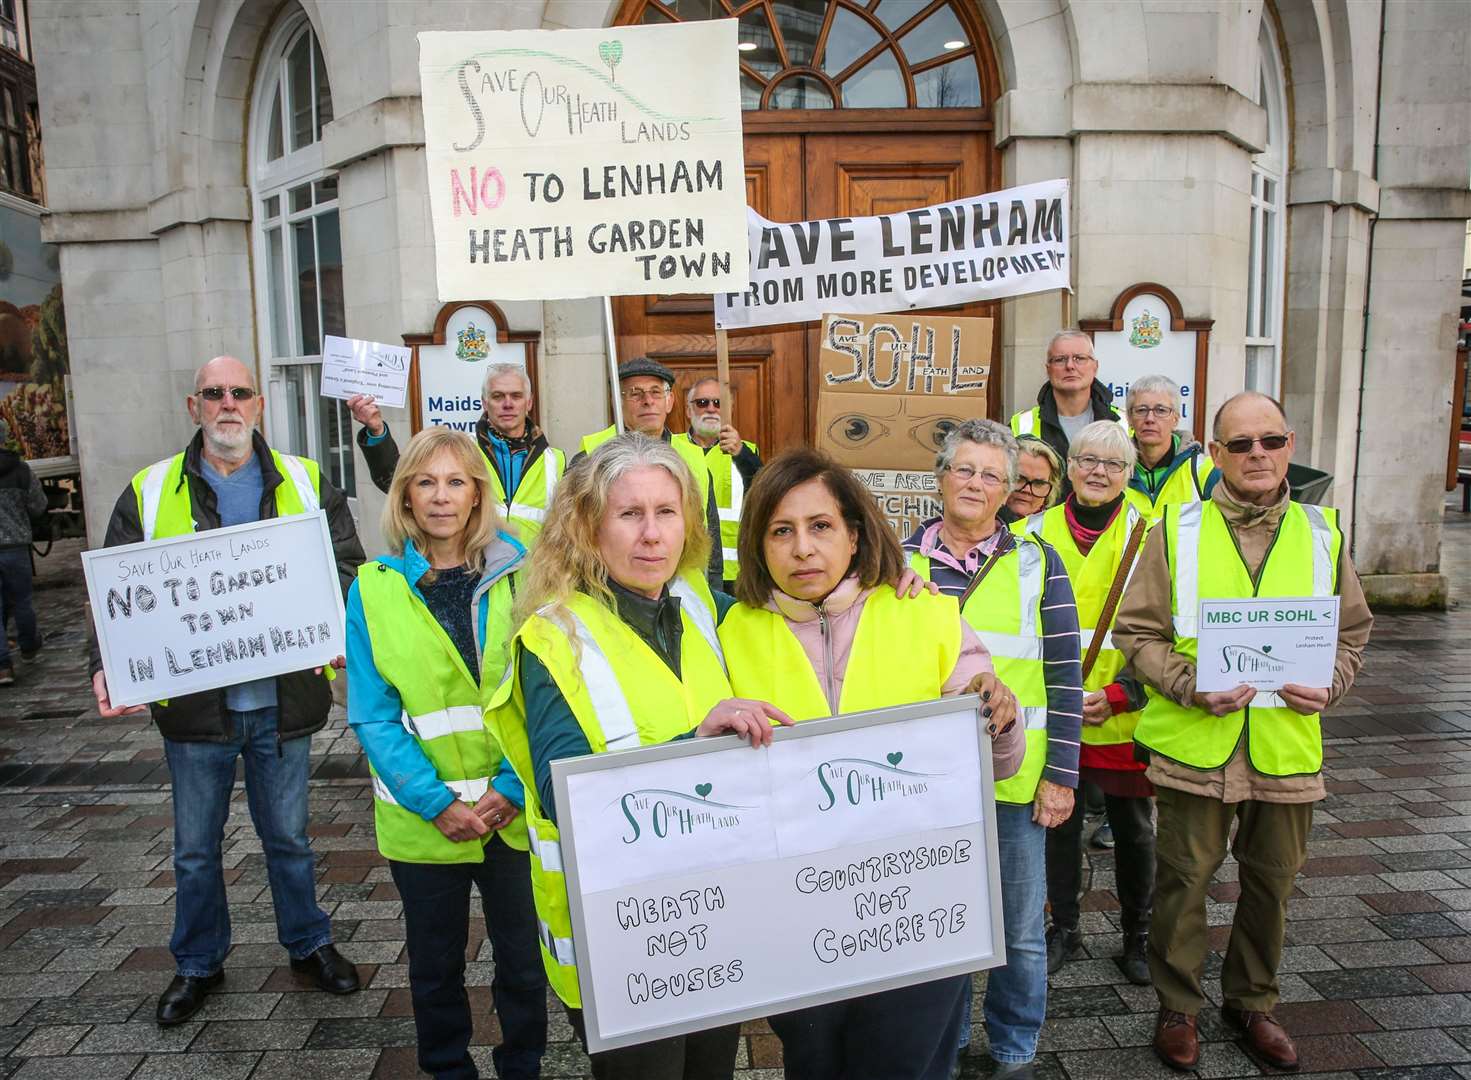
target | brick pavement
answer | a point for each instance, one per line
(1377, 973)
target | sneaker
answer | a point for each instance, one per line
(30, 654)
(1062, 946)
(7, 676)
(1103, 836)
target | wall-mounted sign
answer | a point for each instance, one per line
(448, 368)
(1147, 333)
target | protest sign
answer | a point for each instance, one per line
(890, 387)
(1266, 642)
(872, 835)
(350, 367)
(568, 163)
(217, 608)
(1006, 243)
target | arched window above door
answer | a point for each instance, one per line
(842, 54)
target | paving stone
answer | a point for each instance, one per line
(197, 1066)
(1366, 983)
(1368, 954)
(348, 1032)
(1439, 1010)
(95, 1067)
(1446, 977)
(227, 1035)
(1419, 925)
(1325, 1017)
(320, 1006)
(1329, 1053)
(101, 1009)
(1424, 1047)
(51, 1041)
(292, 1065)
(139, 1037)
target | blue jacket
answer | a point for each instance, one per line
(375, 710)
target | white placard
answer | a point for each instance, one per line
(982, 247)
(350, 366)
(217, 608)
(569, 163)
(1266, 643)
(1147, 346)
(711, 883)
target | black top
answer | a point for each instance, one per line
(448, 594)
(657, 622)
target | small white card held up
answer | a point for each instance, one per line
(350, 366)
(1266, 642)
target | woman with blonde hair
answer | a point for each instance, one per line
(427, 626)
(618, 649)
(1038, 480)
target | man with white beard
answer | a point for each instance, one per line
(229, 476)
(732, 463)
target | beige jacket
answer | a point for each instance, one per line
(1144, 631)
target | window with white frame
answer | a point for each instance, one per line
(1266, 245)
(298, 249)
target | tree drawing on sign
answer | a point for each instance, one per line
(611, 54)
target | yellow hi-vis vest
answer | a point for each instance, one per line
(1185, 485)
(623, 696)
(766, 660)
(441, 710)
(527, 505)
(730, 496)
(166, 509)
(1006, 612)
(1029, 421)
(693, 456)
(1205, 564)
(1091, 575)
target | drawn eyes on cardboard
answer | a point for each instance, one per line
(853, 431)
(930, 433)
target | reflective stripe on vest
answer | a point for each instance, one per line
(305, 490)
(548, 851)
(152, 492)
(149, 485)
(456, 718)
(470, 791)
(550, 463)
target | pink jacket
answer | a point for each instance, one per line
(843, 607)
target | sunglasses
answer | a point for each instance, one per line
(1244, 444)
(706, 402)
(217, 393)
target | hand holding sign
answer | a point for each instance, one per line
(743, 717)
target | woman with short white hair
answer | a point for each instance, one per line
(1099, 534)
(1172, 466)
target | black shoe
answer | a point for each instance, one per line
(30, 654)
(1062, 946)
(185, 997)
(1134, 962)
(330, 970)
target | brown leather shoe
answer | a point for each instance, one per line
(1264, 1038)
(1175, 1040)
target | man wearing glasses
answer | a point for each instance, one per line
(1242, 756)
(732, 463)
(1071, 398)
(646, 390)
(227, 475)
(1172, 466)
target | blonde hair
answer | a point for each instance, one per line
(1030, 444)
(398, 522)
(566, 559)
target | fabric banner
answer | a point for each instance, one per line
(570, 163)
(1006, 243)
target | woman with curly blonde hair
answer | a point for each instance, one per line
(618, 649)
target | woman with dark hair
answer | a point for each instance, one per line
(816, 632)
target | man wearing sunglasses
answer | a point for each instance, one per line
(1172, 467)
(1070, 399)
(732, 463)
(1244, 757)
(228, 475)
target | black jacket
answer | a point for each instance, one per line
(303, 698)
(22, 502)
(382, 456)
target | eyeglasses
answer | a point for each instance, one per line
(217, 393)
(1086, 463)
(641, 396)
(1077, 360)
(1244, 444)
(705, 402)
(965, 474)
(1159, 412)
(1040, 488)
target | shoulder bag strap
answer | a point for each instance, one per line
(1115, 594)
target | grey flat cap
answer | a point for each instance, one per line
(642, 365)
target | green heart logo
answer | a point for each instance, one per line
(895, 758)
(1266, 648)
(703, 789)
(611, 54)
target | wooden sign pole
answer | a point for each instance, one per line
(613, 364)
(1065, 306)
(722, 371)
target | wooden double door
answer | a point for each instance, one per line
(800, 177)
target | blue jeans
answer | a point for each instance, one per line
(15, 601)
(203, 776)
(1016, 995)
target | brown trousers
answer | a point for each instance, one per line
(1270, 847)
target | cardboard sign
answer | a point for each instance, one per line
(872, 835)
(350, 367)
(568, 163)
(218, 608)
(982, 247)
(1266, 643)
(889, 389)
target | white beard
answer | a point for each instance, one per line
(707, 427)
(230, 442)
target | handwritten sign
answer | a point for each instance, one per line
(1265, 643)
(567, 163)
(982, 247)
(212, 609)
(871, 834)
(350, 366)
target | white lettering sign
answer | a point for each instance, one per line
(350, 367)
(1266, 643)
(212, 609)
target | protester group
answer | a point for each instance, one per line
(653, 586)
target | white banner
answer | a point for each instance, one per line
(217, 608)
(871, 835)
(569, 163)
(1006, 243)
